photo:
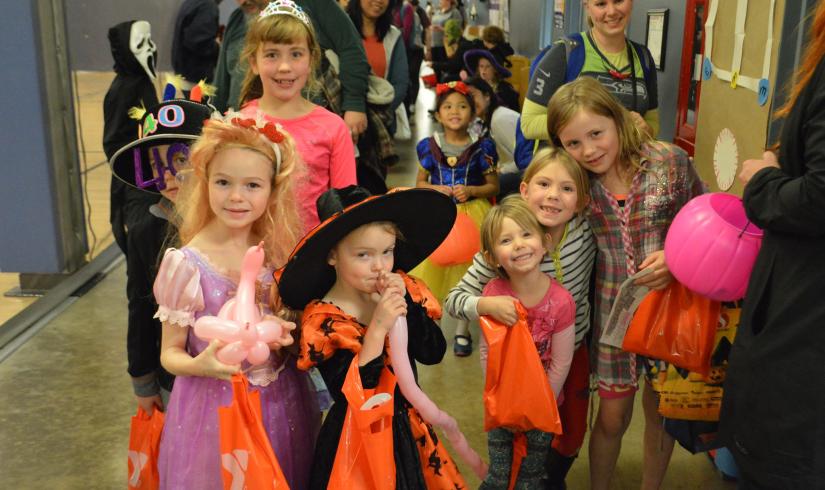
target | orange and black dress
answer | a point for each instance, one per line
(330, 338)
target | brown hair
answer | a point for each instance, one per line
(493, 35)
(515, 208)
(587, 94)
(277, 29)
(280, 226)
(550, 155)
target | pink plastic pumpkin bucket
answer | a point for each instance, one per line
(711, 246)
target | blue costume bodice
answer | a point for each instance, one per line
(478, 159)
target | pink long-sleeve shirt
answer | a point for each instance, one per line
(324, 143)
(550, 322)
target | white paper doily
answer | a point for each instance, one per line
(725, 159)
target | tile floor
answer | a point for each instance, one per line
(66, 404)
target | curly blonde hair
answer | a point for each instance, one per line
(280, 226)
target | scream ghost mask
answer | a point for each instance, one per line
(142, 46)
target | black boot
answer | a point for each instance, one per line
(557, 468)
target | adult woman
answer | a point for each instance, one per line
(435, 48)
(606, 54)
(387, 57)
(773, 403)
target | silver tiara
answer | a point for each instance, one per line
(285, 7)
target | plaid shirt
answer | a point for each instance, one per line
(627, 235)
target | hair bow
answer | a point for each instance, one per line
(444, 88)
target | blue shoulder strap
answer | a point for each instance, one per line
(574, 49)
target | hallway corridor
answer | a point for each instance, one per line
(67, 400)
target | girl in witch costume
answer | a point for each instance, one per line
(463, 167)
(239, 194)
(353, 301)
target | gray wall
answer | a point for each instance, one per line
(669, 78)
(88, 23)
(30, 238)
(526, 25)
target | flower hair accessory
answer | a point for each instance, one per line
(443, 88)
(285, 7)
(272, 131)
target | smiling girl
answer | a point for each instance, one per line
(637, 187)
(240, 187)
(283, 54)
(556, 190)
(463, 167)
(514, 244)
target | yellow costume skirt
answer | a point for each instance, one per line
(441, 279)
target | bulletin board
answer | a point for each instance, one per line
(732, 124)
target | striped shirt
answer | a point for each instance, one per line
(576, 255)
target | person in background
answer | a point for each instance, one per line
(491, 68)
(195, 42)
(771, 409)
(387, 57)
(435, 49)
(407, 18)
(494, 42)
(230, 70)
(336, 33)
(134, 54)
(623, 67)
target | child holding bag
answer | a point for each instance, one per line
(637, 187)
(514, 243)
(463, 167)
(557, 190)
(240, 188)
(353, 301)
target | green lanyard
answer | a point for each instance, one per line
(556, 255)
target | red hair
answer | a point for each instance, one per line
(814, 52)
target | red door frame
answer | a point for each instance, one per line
(686, 133)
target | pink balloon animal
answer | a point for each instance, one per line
(428, 410)
(239, 323)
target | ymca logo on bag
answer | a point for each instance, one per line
(137, 462)
(236, 464)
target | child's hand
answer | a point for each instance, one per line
(209, 366)
(390, 306)
(286, 338)
(391, 279)
(150, 403)
(502, 308)
(660, 277)
(444, 189)
(461, 192)
(750, 167)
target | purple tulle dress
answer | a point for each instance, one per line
(188, 287)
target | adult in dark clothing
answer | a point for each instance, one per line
(335, 31)
(773, 402)
(230, 71)
(163, 154)
(195, 42)
(452, 67)
(134, 55)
